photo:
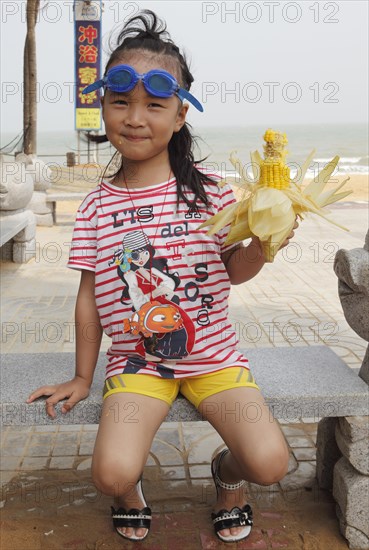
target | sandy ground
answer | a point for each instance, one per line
(86, 178)
(54, 510)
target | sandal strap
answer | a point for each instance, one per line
(131, 518)
(223, 484)
(237, 517)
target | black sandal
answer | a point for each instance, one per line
(133, 518)
(237, 517)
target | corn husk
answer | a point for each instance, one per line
(272, 201)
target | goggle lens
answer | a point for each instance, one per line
(121, 79)
(161, 84)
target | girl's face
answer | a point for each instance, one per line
(139, 125)
(141, 258)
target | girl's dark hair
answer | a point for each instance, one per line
(146, 31)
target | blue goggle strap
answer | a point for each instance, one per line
(185, 94)
(181, 92)
(95, 86)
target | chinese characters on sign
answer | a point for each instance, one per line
(87, 32)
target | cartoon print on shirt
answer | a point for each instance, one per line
(167, 331)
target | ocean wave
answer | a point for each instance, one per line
(346, 160)
(343, 170)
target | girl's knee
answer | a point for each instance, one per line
(269, 466)
(115, 477)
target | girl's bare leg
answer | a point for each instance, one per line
(259, 452)
(128, 424)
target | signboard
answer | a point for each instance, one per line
(87, 47)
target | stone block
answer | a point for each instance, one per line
(364, 370)
(44, 220)
(356, 539)
(327, 452)
(6, 252)
(351, 492)
(38, 203)
(17, 186)
(355, 450)
(354, 427)
(23, 252)
(352, 270)
(29, 232)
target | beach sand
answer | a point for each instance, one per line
(84, 178)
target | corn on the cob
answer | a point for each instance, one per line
(273, 170)
(272, 201)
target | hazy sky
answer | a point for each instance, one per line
(257, 62)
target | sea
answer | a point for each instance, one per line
(214, 145)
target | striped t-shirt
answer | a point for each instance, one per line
(161, 287)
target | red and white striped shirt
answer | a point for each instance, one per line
(142, 248)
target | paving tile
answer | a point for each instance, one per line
(65, 450)
(169, 435)
(193, 433)
(304, 453)
(303, 441)
(13, 450)
(200, 471)
(47, 428)
(292, 430)
(166, 473)
(85, 464)
(67, 439)
(304, 476)
(42, 439)
(292, 463)
(165, 453)
(34, 463)
(88, 437)
(18, 429)
(86, 448)
(10, 462)
(62, 462)
(39, 450)
(70, 428)
(16, 439)
(90, 427)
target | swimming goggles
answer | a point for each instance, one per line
(158, 83)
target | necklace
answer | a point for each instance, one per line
(155, 313)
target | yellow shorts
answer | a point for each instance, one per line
(194, 388)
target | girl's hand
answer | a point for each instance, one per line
(290, 236)
(75, 390)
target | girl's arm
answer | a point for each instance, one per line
(88, 328)
(243, 262)
(88, 340)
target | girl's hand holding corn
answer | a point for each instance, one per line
(272, 202)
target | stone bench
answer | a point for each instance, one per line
(53, 198)
(297, 383)
(300, 382)
(12, 238)
(9, 228)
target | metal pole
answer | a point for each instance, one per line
(78, 147)
(88, 146)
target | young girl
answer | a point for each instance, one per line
(166, 316)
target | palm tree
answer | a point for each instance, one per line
(30, 81)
